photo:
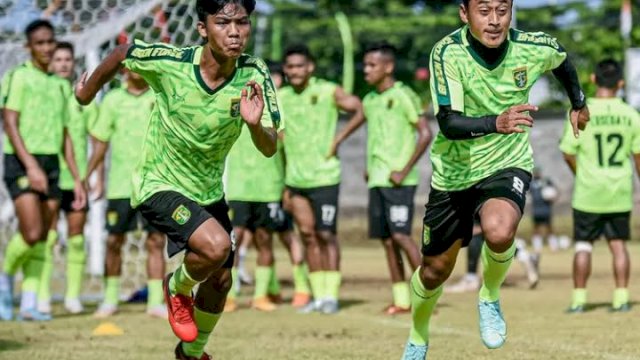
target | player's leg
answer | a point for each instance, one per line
(264, 269)
(76, 257)
(290, 240)
(617, 231)
(587, 227)
(154, 244)
(470, 281)
(240, 219)
(400, 288)
(44, 285)
(324, 202)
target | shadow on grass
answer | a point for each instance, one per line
(8, 345)
(605, 305)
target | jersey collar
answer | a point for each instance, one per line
(477, 57)
(196, 71)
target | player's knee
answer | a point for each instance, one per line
(499, 234)
(155, 242)
(114, 243)
(217, 248)
(327, 237)
(308, 233)
(387, 244)
(32, 235)
(433, 276)
(583, 247)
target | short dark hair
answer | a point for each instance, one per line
(298, 49)
(466, 2)
(35, 25)
(384, 48)
(64, 45)
(275, 67)
(608, 73)
(205, 8)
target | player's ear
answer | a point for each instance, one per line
(389, 67)
(620, 84)
(311, 66)
(202, 29)
(463, 14)
(593, 78)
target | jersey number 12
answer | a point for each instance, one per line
(611, 139)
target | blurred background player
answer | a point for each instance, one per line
(470, 281)
(122, 127)
(34, 105)
(397, 136)
(313, 170)
(543, 195)
(601, 162)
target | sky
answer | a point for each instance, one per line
(534, 3)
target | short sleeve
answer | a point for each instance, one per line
(91, 114)
(635, 141)
(446, 84)
(410, 105)
(104, 125)
(554, 53)
(568, 143)
(12, 92)
(147, 59)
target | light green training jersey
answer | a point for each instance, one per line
(391, 133)
(312, 117)
(41, 100)
(81, 118)
(123, 123)
(192, 127)
(462, 80)
(604, 170)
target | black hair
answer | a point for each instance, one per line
(608, 73)
(211, 7)
(466, 2)
(64, 45)
(384, 48)
(275, 67)
(298, 49)
(35, 25)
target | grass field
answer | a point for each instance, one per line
(538, 328)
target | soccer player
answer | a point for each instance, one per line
(603, 191)
(313, 168)
(204, 95)
(79, 120)
(34, 105)
(397, 135)
(122, 125)
(482, 158)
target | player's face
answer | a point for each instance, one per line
(228, 31)
(42, 44)
(298, 69)
(62, 63)
(489, 20)
(135, 80)
(376, 68)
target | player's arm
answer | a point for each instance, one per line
(88, 87)
(424, 138)
(568, 76)
(252, 105)
(351, 104)
(97, 156)
(79, 194)
(571, 161)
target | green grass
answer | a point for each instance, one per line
(538, 328)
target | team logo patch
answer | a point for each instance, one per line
(390, 104)
(23, 182)
(426, 235)
(181, 215)
(314, 99)
(520, 77)
(235, 108)
(112, 218)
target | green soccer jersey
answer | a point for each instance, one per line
(312, 117)
(192, 127)
(41, 100)
(123, 122)
(603, 152)
(391, 133)
(462, 80)
(250, 175)
(80, 119)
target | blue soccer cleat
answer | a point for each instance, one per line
(493, 329)
(33, 315)
(415, 352)
(6, 298)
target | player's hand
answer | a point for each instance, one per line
(397, 177)
(510, 121)
(79, 196)
(252, 104)
(79, 90)
(333, 150)
(579, 120)
(38, 179)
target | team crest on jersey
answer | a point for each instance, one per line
(235, 107)
(520, 77)
(314, 99)
(112, 218)
(390, 104)
(426, 235)
(23, 182)
(181, 215)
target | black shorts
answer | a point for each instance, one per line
(253, 215)
(287, 222)
(122, 218)
(67, 199)
(542, 220)
(449, 215)
(324, 203)
(390, 211)
(15, 176)
(179, 217)
(589, 226)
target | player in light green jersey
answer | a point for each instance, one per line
(603, 192)
(34, 106)
(204, 96)
(481, 76)
(313, 168)
(397, 136)
(122, 126)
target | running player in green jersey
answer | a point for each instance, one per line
(601, 161)
(122, 126)
(481, 77)
(397, 136)
(34, 105)
(313, 168)
(79, 119)
(204, 95)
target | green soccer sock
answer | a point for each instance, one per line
(578, 297)
(620, 297)
(423, 302)
(233, 293)
(32, 268)
(112, 290)
(155, 296)
(76, 257)
(332, 280)
(495, 268)
(16, 253)
(205, 322)
(317, 281)
(300, 284)
(263, 274)
(181, 282)
(44, 290)
(401, 295)
(274, 283)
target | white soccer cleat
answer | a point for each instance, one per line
(73, 306)
(468, 283)
(44, 306)
(105, 310)
(158, 311)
